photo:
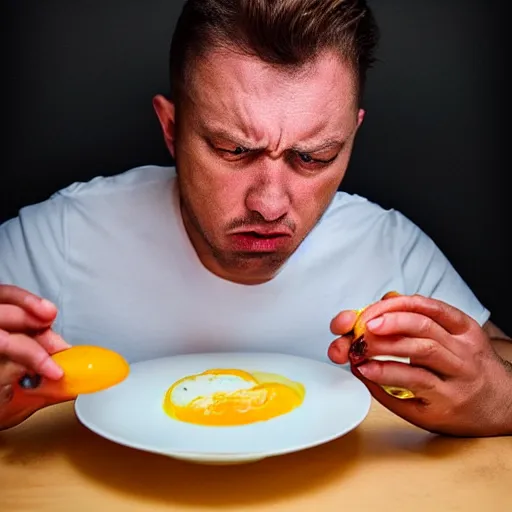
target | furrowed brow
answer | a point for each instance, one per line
(320, 146)
(217, 133)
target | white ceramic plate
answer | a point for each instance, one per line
(131, 413)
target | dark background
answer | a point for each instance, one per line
(80, 77)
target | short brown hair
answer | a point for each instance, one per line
(285, 33)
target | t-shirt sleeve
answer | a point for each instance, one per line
(427, 271)
(33, 248)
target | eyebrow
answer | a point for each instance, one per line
(224, 134)
(321, 146)
(221, 133)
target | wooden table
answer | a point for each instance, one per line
(52, 463)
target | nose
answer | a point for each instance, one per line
(269, 197)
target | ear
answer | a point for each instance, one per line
(360, 116)
(166, 113)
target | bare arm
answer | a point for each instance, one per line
(501, 342)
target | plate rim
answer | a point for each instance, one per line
(233, 456)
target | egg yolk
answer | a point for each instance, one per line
(230, 397)
(88, 369)
(359, 325)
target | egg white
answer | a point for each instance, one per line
(204, 386)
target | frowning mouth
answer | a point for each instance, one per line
(258, 234)
(258, 241)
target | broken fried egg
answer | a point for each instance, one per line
(230, 397)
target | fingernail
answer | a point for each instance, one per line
(363, 370)
(59, 342)
(47, 304)
(375, 323)
(51, 369)
(31, 300)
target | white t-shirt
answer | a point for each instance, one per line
(114, 257)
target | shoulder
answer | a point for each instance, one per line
(81, 203)
(122, 197)
(346, 206)
(358, 217)
(139, 178)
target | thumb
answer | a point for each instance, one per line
(338, 351)
(343, 322)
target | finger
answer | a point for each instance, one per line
(451, 319)
(26, 351)
(16, 319)
(423, 352)
(338, 350)
(412, 325)
(51, 341)
(344, 322)
(10, 372)
(419, 380)
(413, 410)
(36, 305)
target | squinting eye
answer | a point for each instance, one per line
(305, 158)
(233, 154)
(238, 151)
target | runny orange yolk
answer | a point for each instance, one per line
(88, 369)
(230, 397)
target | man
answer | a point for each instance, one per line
(247, 245)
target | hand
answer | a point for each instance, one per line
(26, 343)
(461, 386)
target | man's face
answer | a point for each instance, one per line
(260, 153)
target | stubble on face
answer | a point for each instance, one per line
(239, 100)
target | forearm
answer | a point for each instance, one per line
(501, 341)
(503, 347)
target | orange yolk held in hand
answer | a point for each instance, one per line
(88, 369)
(228, 397)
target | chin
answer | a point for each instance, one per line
(251, 267)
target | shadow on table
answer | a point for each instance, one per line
(163, 479)
(169, 480)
